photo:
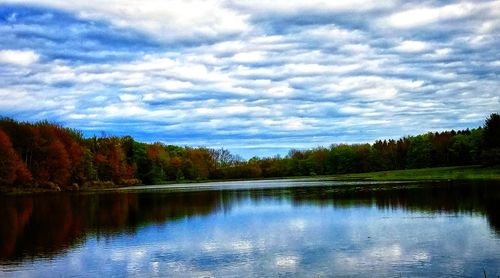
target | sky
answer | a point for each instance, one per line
(254, 77)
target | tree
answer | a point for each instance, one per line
(465, 147)
(491, 140)
(419, 152)
(12, 168)
(346, 160)
(7, 160)
(50, 161)
(109, 159)
(58, 164)
(491, 133)
(201, 160)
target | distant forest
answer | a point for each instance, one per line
(48, 155)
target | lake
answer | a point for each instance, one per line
(305, 228)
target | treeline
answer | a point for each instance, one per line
(48, 155)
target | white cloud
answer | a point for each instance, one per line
(332, 34)
(443, 51)
(421, 16)
(18, 57)
(412, 46)
(249, 57)
(356, 48)
(294, 6)
(377, 93)
(279, 91)
(16, 99)
(282, 261)
(166, 20)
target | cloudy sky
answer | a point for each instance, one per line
(255, 77)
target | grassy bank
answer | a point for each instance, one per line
(436, 173)
(439, 173)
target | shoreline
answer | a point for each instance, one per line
(458, 173)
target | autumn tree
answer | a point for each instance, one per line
(200, 159)
(58, 164)
(12, 168)
(109, 159)
(24, 137)
(7, 160)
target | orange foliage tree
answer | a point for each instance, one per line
(12, 168)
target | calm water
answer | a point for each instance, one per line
(262, 228)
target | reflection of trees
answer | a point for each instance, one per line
(14, 217)
(480, 198)
(45, 225)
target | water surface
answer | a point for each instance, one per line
(309, 228)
